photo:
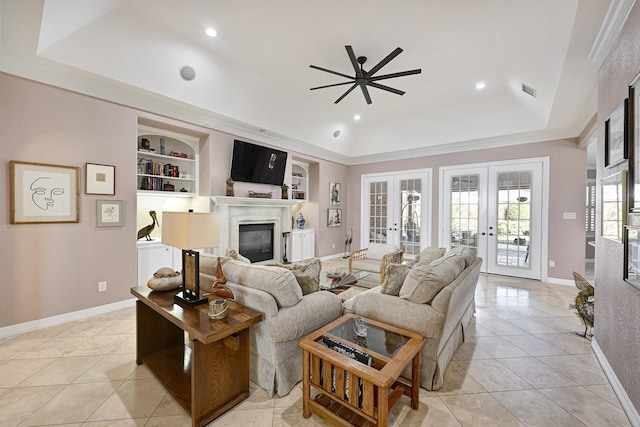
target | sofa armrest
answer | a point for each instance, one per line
(254, 298)
(419, 318)
(314, 311)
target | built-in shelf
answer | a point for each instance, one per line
(299, 181)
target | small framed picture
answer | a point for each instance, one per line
(632, 256)
(615, 137)
(613, 205)
(334, 217)
(109, 213)
(334, 194)
(101, 179)
(44, 193)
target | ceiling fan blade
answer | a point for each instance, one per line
(346, 93)
(330, 71)
(384, 62)
(365, 92)
(354, 61)
(393, 75)
(335, 84)
(387, 88)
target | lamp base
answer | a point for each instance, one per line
(189, 299)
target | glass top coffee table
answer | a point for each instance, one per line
(342, 277)
(355, 374)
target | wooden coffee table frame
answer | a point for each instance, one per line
(216, 375)
(381, 383)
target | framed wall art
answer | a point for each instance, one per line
(632, 256)
(109, 213)
(633, 128)
(334, 194)
(613, 205)
(615, 137)
(44, 193)
(100, 179)
(334, 217)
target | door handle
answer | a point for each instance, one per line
(483, 233)
(490, 234)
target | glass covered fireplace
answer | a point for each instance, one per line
(256, 241)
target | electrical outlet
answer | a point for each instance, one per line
(102, 286)
(552, 263)
(334, 246)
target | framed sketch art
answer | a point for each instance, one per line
(109, 213)
(615, 141)
(334, 217)
(101, 179)
(334, 194)
(44, 193)
(633, 129)
(632, 256)
(613, 205)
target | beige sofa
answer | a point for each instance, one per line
(441, 320)
(275, 359)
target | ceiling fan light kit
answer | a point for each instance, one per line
(363, 78)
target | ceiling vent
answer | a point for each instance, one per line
(529, 90)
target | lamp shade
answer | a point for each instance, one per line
(190, 230)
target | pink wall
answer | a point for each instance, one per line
(617, 307)
(567, 179)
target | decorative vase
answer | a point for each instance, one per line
(300, 221)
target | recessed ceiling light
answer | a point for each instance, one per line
(211, 32)
(481, 85)
(187, 73)
(356, 117)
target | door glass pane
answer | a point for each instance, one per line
(464, 211)
(410, 215)
(514, 219)
(378, 197)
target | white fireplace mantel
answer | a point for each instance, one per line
(236, 211)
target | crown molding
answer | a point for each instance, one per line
(611, 27)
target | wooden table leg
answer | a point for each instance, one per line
(306, 391)
(415, 381)
(383, 406)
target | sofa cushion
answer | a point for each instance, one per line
(233, 254)
(425, 281)
(378, 250)
(394, 276)
(306, 273)
(467, 254)
(428, 255)
(277, 281)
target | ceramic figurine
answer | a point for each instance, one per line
(285, 191)
(230, 187)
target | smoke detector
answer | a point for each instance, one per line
(529, 90)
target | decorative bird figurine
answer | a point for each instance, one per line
(584, 302)
(218, 288)
(146, 231)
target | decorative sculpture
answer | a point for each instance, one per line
(285, 191)
(218, 288)
(347, 244)
(230, 187)
(146, 231)
(584, 302)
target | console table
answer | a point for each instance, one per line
(207, 374)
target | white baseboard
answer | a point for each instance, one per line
(334, 256)
(623, 397)
(34, 325)
(565, 282)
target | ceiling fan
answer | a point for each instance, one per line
(364, 78)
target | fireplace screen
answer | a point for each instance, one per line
(256, 241)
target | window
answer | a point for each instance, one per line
(590, 216)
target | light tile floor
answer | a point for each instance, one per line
(522, 365)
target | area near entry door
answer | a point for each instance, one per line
(396, 210)
(497, 210)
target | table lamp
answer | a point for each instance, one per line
(189, 231)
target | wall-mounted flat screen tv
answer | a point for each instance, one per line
(257, 164)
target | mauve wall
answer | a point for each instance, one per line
(567, 179)
(50, 269)
(617, 307)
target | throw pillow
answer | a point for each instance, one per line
(209, 263)
(428, 255)
(394, 275)
(233, 254)
(467, 254)
(307, 274)
(425, 281)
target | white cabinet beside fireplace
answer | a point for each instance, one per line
(302, 244)
(154, 255)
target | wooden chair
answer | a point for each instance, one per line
(375, 258)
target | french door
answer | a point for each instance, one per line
(497, 211)
(396, 210)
